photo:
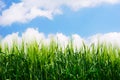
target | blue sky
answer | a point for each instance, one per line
(103, 17)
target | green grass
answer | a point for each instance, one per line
(40, 62)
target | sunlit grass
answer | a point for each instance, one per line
(35, 61)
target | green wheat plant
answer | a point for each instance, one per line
(35, 61)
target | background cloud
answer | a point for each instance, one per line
(62, 40)
(26, 10)
(32, 34)
(109, 38)
(11, 39)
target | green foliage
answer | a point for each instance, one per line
(40, 62)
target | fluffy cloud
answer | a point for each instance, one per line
(109, 38)
(32, 34)
(11, 39)
(77, 41)
(20, 13)
(26, 10)
(62, 40)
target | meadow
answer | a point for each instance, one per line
(50, 62)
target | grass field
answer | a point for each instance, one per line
(41, 62)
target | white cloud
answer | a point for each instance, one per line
(77, 41)
(19, 13)
(11, 39)
(26, 10)
(62, 40)
(109, 38)
(32, 34)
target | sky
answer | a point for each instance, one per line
(82, 19)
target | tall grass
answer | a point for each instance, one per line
(40, 62)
